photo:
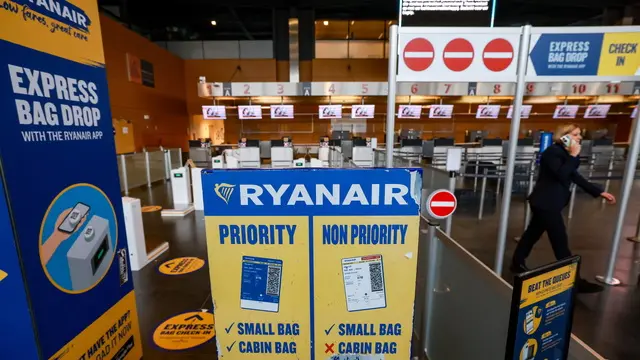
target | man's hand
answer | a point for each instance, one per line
(609, 197)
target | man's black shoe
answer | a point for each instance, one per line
(518, 268)
(586, 287)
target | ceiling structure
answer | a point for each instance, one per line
(253, 19)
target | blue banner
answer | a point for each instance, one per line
(546, 138)
(313, 191)
(61, 180)
(542, 312)
(566, 54)
(16, 320)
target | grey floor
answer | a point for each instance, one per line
(609, 322)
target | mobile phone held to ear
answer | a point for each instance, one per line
(566, 141)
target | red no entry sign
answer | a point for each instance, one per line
(458, 54)
(441, 204)
(497, 55)
(418, 54)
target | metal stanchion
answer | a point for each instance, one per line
(607, 183)
(592, 163)
(391, 97)
(483, 190)
(572, 201)
(452, 188)
(123, 166)
(514, 132)
(180, 156)
(147, 165)
(499, 170)
(527, 209)
(167, 165)
(475, 179)
(636, 238)
(432, 276)
(625, 192)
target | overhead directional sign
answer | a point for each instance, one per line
(610, 52)
(458, 54)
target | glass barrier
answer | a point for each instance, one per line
(175, 158)
(465, 312)
(136, 170)
(156, 166)
(139, 169)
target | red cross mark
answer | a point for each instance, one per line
(329, 348)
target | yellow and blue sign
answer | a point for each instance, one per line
(313, 264)
(612, 54)
(62, 187)
(542, 312)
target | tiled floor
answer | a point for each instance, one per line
(609, 322)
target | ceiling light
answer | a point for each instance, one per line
(325, 23)
(352, 22)
(214, 23)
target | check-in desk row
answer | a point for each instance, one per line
(330, 153)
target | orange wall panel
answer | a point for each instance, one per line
(165, 104)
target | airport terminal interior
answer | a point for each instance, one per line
(308, 179)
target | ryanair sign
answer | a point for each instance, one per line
(313, 263)
(324, 190)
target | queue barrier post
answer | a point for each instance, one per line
(432, 275)
(483, 190)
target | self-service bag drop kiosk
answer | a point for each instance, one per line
(323, 151)
(363, 151)
(249, 153)
(282, 153)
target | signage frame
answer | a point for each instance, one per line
(594, 30)
(518, 282)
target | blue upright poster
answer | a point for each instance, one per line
(61, 182)
(542, 312)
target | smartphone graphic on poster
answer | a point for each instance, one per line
(261, 284)
(364, 285)
(74, 217)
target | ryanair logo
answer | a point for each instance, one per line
(224, 191)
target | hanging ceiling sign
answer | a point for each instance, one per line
(574, 53)
(566, 111)
(409, 111)
(214, 112)
(597, 111)
(525, 111)
(249, 112)
(363, 111)
(282, 111)
(441, 111)
(488, 112)
(458, 54)
(330, 111)
(446, 13)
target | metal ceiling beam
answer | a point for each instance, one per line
(242, 27)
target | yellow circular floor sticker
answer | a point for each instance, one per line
(185, 331)
(181, 266)
(151, 208)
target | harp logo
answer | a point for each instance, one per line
(224, 191)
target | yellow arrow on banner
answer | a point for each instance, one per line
(3, 275)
